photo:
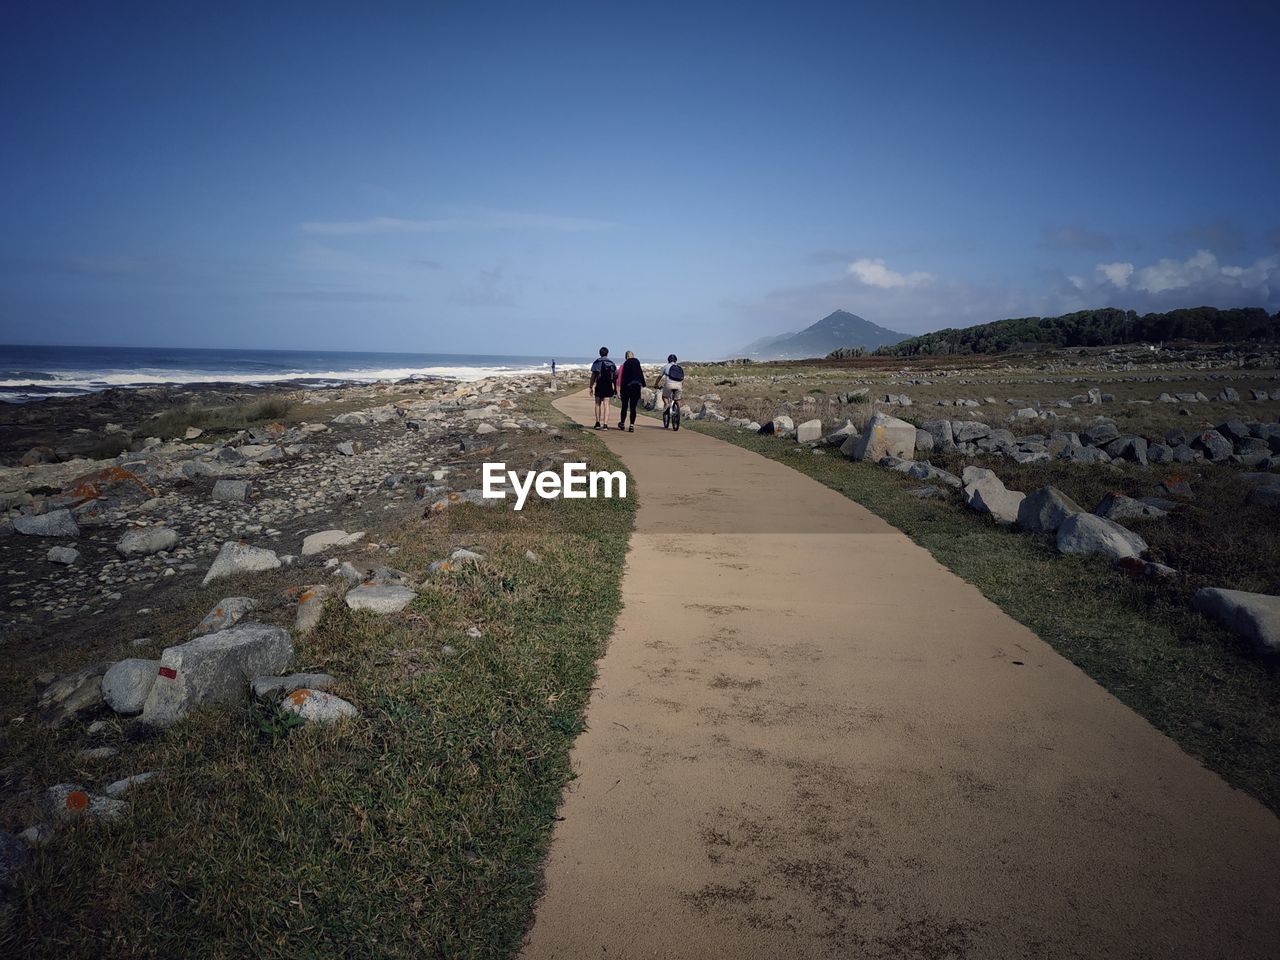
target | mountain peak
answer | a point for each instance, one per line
(840, 328)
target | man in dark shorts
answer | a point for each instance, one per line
(603, 374)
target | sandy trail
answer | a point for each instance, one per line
(809, 739)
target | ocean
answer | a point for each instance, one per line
(36, 372)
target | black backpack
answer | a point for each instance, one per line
(608, 372)
(675, 373)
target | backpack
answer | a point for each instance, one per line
(675, 373)
(608, 371)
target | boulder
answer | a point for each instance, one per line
(264, 688)
(328, 539)
(215, 669)
(55, 523)
(1255, 616)
(317, 706)
(986, 493)
(349, 448)
(924, 470)
(924, 441)
(1044, 510)
(783, 425)
(231, 490)
(227, 612)
(1087, 533)
(1216, 447)
(63, 555)
(72, 695)
(1100, 434)
(70, 801)
(1129, 448)
(885, 436)
(144, 541)
(238, 557)
(380, 598)
(809, 432)
(126, 685)
(940, 431)
(967, 431)
(1118, 507)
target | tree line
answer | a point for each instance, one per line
(1096, 328)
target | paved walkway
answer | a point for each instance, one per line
(809, 739)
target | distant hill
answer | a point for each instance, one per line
(1096, 328)
(836, 330)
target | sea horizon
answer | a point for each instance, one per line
(37, 371)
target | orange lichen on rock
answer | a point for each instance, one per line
(306, 595)
(299, 697)
(93, 486)
(77, 801)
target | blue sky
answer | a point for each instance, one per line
(527, 178)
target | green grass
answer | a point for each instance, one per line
(1143, 642)
(417, 830)
(219, 419)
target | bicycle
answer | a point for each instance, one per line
(671, 414)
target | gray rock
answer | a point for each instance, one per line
(929, 492)
(940, 431)
(924, 470)
(1118, 507)
(55, 523)
(349, 448)
(783, 425)
(1100, 434)
(380, 598)
(317, 706)
(232, 490)
(64, 555)
(966, 431)
(1216, 447)
(264, 688)
(1159, 453)
(1129, 448)
(986, 493)
(237, 557)
(924, 441)
(1255, 616)
(1044, 510)
(459, 557)
(215, 669)
(885, 436)
(120, 787)
(329, 539)
(126, 685)
(809, 432)
(311, 603)
(144, 541)
(1086, 533)
(72, 694)
(1227, 395)
(70, 801)
(227, 612)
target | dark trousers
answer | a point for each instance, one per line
(630, 397)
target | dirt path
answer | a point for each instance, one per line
(809, 739)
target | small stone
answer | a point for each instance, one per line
(64, 555)
(120, 787)
(145, 541)
(227, 612)
(317, 706)
(328, 539)
(380, 598)
(237, 557)
(231, 490)
(267, 687)
(70, 801)
(55, 523)
(310, 608)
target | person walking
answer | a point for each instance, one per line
(631, 381)
(603, 374)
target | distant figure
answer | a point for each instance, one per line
(603, 372)
(672, 377)
(631, 382)
(553, 369)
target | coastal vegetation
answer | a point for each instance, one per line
(1095, 328)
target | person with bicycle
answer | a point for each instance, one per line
(672, 376)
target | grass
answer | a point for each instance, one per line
(417, 830)
(220, 419)
(1142, 642)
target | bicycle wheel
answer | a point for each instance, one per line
(666, 418)
(675, 416)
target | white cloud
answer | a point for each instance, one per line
(471, 223)
(874, 273)
(1117, 274)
